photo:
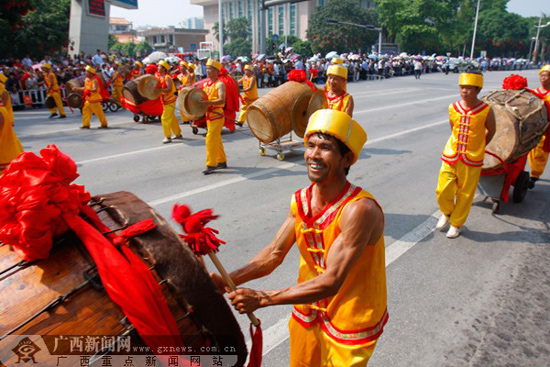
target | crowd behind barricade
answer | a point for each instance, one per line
(27, 88)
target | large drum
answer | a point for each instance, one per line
(74, 83)
(304, 107)
(69, 275)
(180, 102)
(192, 106)
(141, 89)
(270, 117)
(75, 100)
(521, 120)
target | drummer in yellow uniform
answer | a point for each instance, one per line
(118, 82)
(472, 128)
(250, 92)
(53, 91)
(92, 100)
(337, 96)
(340, 301)
(183, 77)
(192, 78)
(215, 91)
(137, 70)
(537, 156)
(168, 119)
(10, 146)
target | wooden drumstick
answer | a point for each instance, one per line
(229, 282)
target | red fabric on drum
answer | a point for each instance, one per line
(151, 107)
(514, 82)
(38, 202)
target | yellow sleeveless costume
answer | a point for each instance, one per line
(215, 153)
(54, 92)
(341, 330)
(538, 157)
(462, 160)
(338, 103)
(168, 119)
(118, 83)
(10, 146)
(92, 105)
(248, 97)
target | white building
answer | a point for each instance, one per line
(193, 23)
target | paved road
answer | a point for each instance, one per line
(479, 300)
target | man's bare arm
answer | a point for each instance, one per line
(221, 96)
(491, 126)
(350, 106)
(252, 84)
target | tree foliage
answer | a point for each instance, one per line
(238, 47)
(303, 48)
(143, 49)
(235, 28)
(325, 37)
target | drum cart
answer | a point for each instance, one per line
(280, 145)
(495, 183)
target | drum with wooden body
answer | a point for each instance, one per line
(270, 117)
(75, 100)
(133, 89)
(49, 102)
(304, 107)
(74, 83)
(203, 316)
(192, 106)
(180, 102)
(521, 121)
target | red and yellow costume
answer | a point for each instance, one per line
(168, 119)
(118, 83)
(53, 90)
(92, 101)
(537, 156)
(137, 70)
(10, 146)
(462, 157)
(250, 96)
(338, 102)
(215, 153)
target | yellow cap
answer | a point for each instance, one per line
(545, 68)
(90, 69)
(214, 64)
(475, 80)
(184, 63)
(338, 70)
(118, 63)
(47, 66)
(248, 67)
(192, 66)
(336, 61)
(340, 125)
(164, 64)
(3, 78)
(138, 63)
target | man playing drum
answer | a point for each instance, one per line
(472, 127)
(183, 77)
(340, 299)
(537, 156)
(118, 82)
(10, 146)
(215, 90)
(338, 98)
(92, 100)
(137, 70)
(53, 91)
(168, 119)
(250, 92)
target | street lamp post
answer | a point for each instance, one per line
(535, 51)
(220, 28)
(475, 31)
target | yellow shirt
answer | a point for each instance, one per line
(467, 141)
(167, 97)
(358, 312)
(52, 88)
(89, 85)
(184, 79)
(252, 94)
(118, 81)
(211, 88)
(8, 106)
(338, 103)
(10, 146)
(191, 78)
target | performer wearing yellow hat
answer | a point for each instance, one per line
(118, 82)
(473, 126)
(215, 90)
(168, 119)
(250, 91)
(192, 78)
(10, 146)
(53, 91)
(537, 156)
(183, 77)
(92, 100)
(340, 301)
(137, 70)
(337, 96)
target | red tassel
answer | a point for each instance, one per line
(255, 357)
(134, 230)
(514, 82)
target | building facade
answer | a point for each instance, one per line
(193, 23)
(174, 39)
(285, 19)
(122, 29)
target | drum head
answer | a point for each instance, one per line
(147, 86)
(318, 101)
(195, 109)
(75, 100)
(259, 123)
(181, 102)
(50, 103)
(300, 114)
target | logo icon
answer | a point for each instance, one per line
(26, 350)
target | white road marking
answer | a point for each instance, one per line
(98, 159)
(50, 132)
(406, 104)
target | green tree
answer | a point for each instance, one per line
(143, 48)
(216, 32)
(238, 47)
(128, 49)
(303, 48)
(503, 33)
(117, 47)
(326, 37)
(238, 28)
(112, 41)
(44, 31)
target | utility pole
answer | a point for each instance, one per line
(535, 51)
(475, 31)
(220, 28)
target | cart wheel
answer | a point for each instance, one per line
(145, 119)
(195, 130)
(281, 156)
(262, 151)
(520, 187)
(113, 106)
(136, 118)
(496, 206)
(105, 106)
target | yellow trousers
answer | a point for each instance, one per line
(311, 347)
(456, 189)
(538, 159)
(117, 93)
(10, 146)
(57, 98)
(214, 146)
(92, 108)
(244, 111)
(169, 121)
